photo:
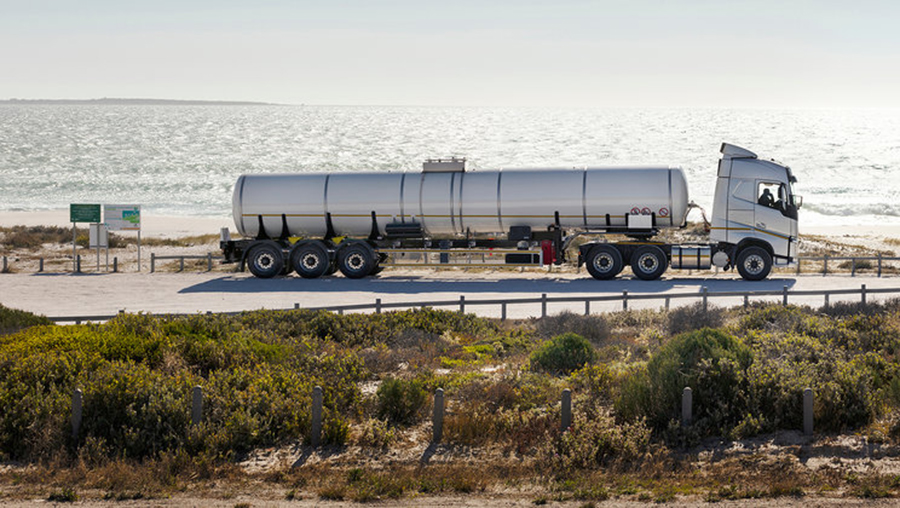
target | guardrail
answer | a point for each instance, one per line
(854, 260)
(461, 303)
(208, 257)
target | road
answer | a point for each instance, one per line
(59, 295)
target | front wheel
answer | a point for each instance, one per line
(604, 262)
(356, 260)
(754, 263)
(265, 261)
(649, 262)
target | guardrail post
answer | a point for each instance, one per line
(784, 296)
(340, 312)
(196, 405)
(853, 267)
(862, 294)
(437, 416)
(209, 261)
(826, 299)
(587, 307)
(566, 416)
(316, 430)
(668, 303)
(624, 299)
(746, 301)
(152, 262)
(543, 305)
(705, 292)
(115, 265)
(78, 263)
(799, 260)
(503, 311)
(181, 266)
(808, 411)
(825, 269)
(462, 304)
(378, 306)
(76, 412)
(879, 264)
(296, 306)
(687, 406)
(5, 266)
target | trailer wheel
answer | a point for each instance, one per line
(604, 262)
(356, 260)
(265, 260)
(310, 260)
(754, 263)
(649, 262)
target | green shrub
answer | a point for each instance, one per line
(563, 354)
(593, 328)
(711, 362)
(401, 401)
(693, 317)
(12, 320)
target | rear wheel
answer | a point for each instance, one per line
(649, 262)
(310, 260)
(265, 261)
(356, 260)
(754, 263)
(604, 262)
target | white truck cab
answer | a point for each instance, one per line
(754, 219)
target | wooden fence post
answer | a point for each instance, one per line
(78, 263)
(115, 265)
(746, 301)
(437, 417)
(705, 291)
(76, 412)
(879, 264)
(462, 304)
(624, 299)
(152, 262)
(862, 294)
(503, 311)
(668, 302)
(41, 265)
(196, 405)
(5, 265)
(543, 305)
(587, 307)
(378, 306)
(825, 268)
(808, 411)
(566, 410)
(826, 299)
(316, 430)
(687, 406)
(181, 266)
(209, 261)
(784, 296)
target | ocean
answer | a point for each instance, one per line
(184, 160)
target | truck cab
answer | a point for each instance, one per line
(754, 220)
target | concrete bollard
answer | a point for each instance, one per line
(784, 296)
(196, 405)
(462, 304)
(76, 412)
(437, 418)
(624, 299)
(543, 305)
(316, 431)
(808, 411)
(566, 416)
(687, 406)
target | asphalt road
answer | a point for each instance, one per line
(58, 295)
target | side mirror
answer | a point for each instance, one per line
(798, 201)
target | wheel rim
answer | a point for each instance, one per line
(648, 263)
(356, 261)
(604, 262)
(309, 261)
(264, 261)
(754, 264)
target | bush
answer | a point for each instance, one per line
(593, 328)
(563, 354)
(12, 320)
(711, 362)
(693, 317)
(400, 401)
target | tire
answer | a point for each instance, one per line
(356, 260)
(604, 262)
(310, 260)
(649, 262)
(754, 263)
(265, 260)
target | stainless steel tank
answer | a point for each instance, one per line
(448, 203)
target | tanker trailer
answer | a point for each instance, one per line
(445, 215)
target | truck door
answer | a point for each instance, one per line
(771, 215)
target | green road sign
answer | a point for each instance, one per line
(84, 213)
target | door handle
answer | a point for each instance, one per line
(761, 225)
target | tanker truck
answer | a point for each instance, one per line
(315, 224)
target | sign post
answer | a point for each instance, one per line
(81, 213)
(124, 218)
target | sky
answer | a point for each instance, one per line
(563, 53)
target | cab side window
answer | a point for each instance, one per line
(768, 194)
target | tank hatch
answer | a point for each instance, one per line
(451, 165)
